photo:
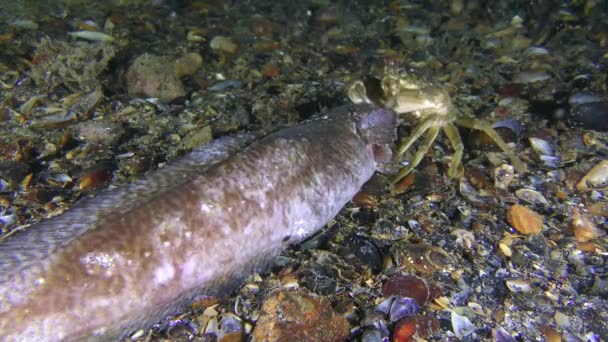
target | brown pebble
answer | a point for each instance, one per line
(94, 180)
(188, 64)
(405, 329)
(599, 209)
(573, 178)
(223, 44)
(5, 113)
(103, 133)
(589, 247)
(424, 259)
(40, 195)
(205, 302)
(235, 336)
(550, 334)
(596, 177)
(139, 164)
(261, 27)
(413, 328)
(478, 178)
(498, 315)
(562, 195)
(524, 220)
(404, 184)
(270, 70)
(328, 16)
(159, 76)
(407, 285)
(582, 226)
(299, 316)
(365, 199)
(426, 326)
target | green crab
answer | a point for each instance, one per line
(431, 106)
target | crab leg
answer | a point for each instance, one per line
(456, 170)
(431, 134)
(416, 134)
(491, 132)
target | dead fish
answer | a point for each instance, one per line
(129, 257)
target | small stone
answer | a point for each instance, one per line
(198, 137)
(407, 285)
(159, 76)
(590, 115)
(363, 253)
(549, 333)
(188, 64)
(99, 132)
(583, 228)
(562, 319)
(271, 70)
(503, 176)
(526, 77)
(12, 171)
(597, 177)
(531, 196)
(461, 325)
(413, 328)
(97, 177)
(524, 220)
(403, 307)
(223, 44)
(299, 316)
(405, 329)
(599, 209)
(518, 285)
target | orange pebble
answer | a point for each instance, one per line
(524, 220)
(405, 329)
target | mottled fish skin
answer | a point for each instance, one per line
(132, 256)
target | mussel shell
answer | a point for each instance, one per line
(590, 115)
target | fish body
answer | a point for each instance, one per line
(131, 256)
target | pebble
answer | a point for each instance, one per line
(225, 85)
(599, 209)
(408, 286)
(531, 196)
(424, 259)
(536, 51)
(583, 228)
(403, 307)
(96, 178)
(363, 253)
(524, 220)
(503, 176)
(596, 177)
(92, 36)
(549, 333)
(518, 285)
(582, 98)
(526, 77)
(159, 76)
(589, 115)
(99, 132)
(198, 137)
(562, 319)
(461, 325)
(223, 44)
(404, 330)
(413, 328)
(12, 171)
(299, 316)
